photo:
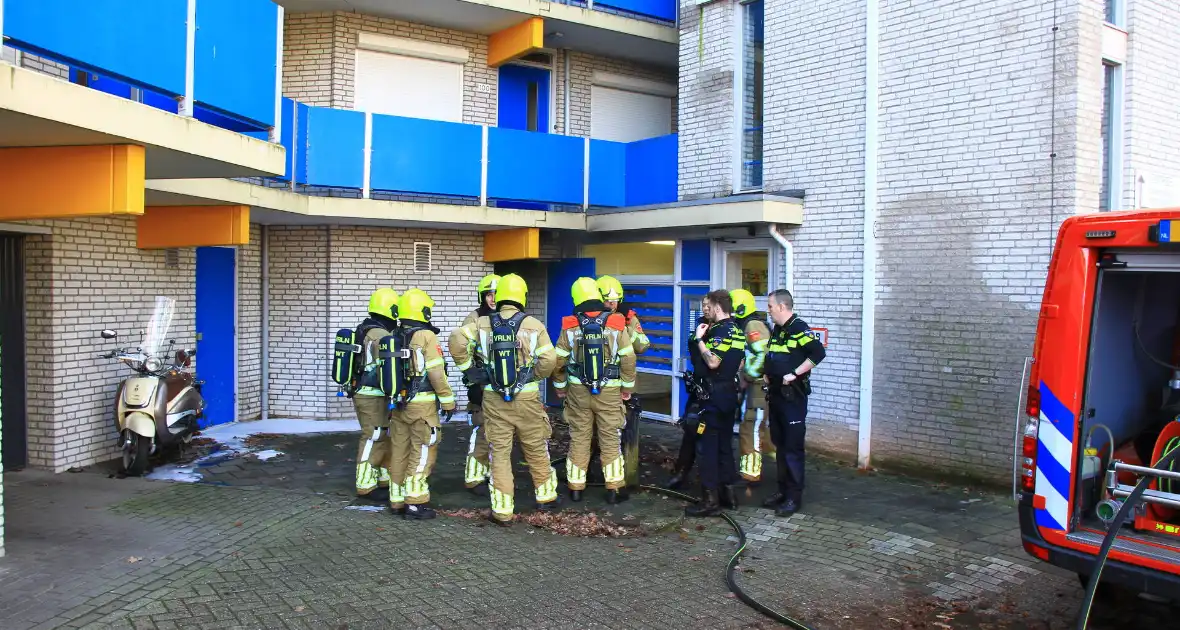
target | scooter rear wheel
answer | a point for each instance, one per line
(135, 455)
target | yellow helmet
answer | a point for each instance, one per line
(512, 288)
(415, 305)
(584, 290)
(488, 283)
(610, 289)
(384, 302)
(743, 303)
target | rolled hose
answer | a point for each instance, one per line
(1104, 551)
(731, 567)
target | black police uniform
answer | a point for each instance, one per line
(790, 345)
(688, 422)
(715, 431)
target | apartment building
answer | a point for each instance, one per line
(269, 163)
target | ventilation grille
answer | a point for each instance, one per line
(172, 258)
(423, 258)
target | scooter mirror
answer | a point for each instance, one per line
(109, 334)
(182, 358)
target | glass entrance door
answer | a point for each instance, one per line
(752, 265)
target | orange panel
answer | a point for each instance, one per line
(516, 41)
(165, 227)
(68, 182)
(519, 244)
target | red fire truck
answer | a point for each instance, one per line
(1104, 401)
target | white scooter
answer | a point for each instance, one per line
(161, 404)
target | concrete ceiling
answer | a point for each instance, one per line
(583, 30)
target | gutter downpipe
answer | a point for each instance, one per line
(265, 325)
(869, 270)
(788, 253)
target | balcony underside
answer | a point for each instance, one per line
(738, 210)
(282, 207)
(583, 30)
(37, 110)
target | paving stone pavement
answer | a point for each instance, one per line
(281, 544)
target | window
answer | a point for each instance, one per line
(753, 45)
(1114, 12)
(1110, 193)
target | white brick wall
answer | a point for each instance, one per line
(1152, 143)
(814, 140)
(88, 275)
(706, 111)
(320, 63)
(249, 336)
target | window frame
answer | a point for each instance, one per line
(739, 101)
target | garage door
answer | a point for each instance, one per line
(403, 85)
(626, 116)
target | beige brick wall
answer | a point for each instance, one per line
(1152, 144)
(298, 261)
(320, 62)
(85, 276)
(249, 331)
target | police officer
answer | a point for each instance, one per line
(517, 353)
(595, 373)
(416, 429)
(371, 404)
(722, 347)
(475, 474)
(791, 355)
(692, 415)
(753, 432)
(612, 296)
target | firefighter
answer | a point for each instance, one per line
(423, 389)
(722, 348)
(790, 357)
(612, 296)
(753, 432)
(517, 353)
(475, 474)
(692, 416)
(595, 374)
(371, 404)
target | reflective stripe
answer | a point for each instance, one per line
(547, 491)
(369, 391)
(464, 366)
(529, 387)
(614, 382)
(759, 346)
(629, 384)
(626, 351)
(559, 384)
(366, 477)
(397, 494)
(446, 400)
(563, 353)
(434, 363)
(613, 472)
(575, 476)
(426, 397)
(502, 504)
(543, 349)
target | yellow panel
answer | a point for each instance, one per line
(67, 182)
(166, 227)
(516, 41)
(640, 259)
(511, 244)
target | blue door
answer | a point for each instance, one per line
(524, 105)
(216, 335)
(524, 98)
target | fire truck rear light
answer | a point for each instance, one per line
(1036, 551)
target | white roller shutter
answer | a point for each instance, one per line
(402, 85)
(626, 116)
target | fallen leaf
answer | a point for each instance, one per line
(700, 528)
(300, 608)
(133, 559)
(238, 524)
(731, 595)
(380, 529)
(452, 561)
(320, 462)
(694, 558)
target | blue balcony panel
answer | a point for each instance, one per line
(529, 166)
(414, 155)
(662, 9)
(302, 112)
(608, 173)
(136, 41)
(236, 58)
(652, 171)
(334, 147)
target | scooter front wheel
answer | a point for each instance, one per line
(136, 451)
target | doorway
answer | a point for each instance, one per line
(524, 101)
(747, 264)
(12, 352)
(216, 320)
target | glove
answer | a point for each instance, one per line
(447, 413)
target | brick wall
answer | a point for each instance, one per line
(86, 276)
(320, 63)
(249, 332)
(1152, 146)
(969, 204)
(353, 262)
(814, 140)
(705, 114)
(52, 68)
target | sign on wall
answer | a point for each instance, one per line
(820, 334)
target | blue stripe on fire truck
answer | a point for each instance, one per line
(1055, 438)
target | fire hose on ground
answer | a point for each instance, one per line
(1100, 561)
(731, 566)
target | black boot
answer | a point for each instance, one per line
(614, 497)
(376, 495)
(708, 507)
(789, 507)
(773, 500)
(576, 496)
(678, 478)
(480, 490)
(728, 498)
(551, 506)
(419, 512)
